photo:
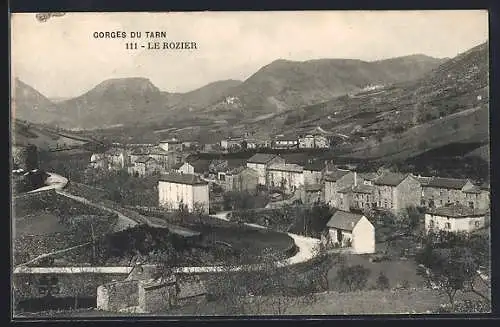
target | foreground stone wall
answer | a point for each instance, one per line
(116, 296)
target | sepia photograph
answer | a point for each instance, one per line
(249, 163)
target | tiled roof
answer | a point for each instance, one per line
(261, 158)
(313, 187)
(287, 167)
(188, 179)
(172, 140)
(448, 183)
(344, 220)
(336, 174)
(177, 166)
(456, 211)
(391, 179)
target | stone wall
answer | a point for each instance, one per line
(156, 295)
(116, 296)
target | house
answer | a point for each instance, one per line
(286, 177)
(306, 142)
(356, 197)
(313, 193)
(172, 144)
(335, 180)
(231, 143)
(164, 158)
(439, 191)
(116, 158)
(98, 160)
(286, 142)
(313, 172)
(395, 191)
(454, 218)
(188, 190)
(347, 229)
(241, 179)
(260, 162)
(145, 166)
(184, 168)
(321, 142)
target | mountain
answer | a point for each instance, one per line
(29, 104)
(283, 85)
(116, 101)
(449, 104)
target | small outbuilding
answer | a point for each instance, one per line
(351, 230)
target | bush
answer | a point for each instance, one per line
(352, 278)
(382, 282)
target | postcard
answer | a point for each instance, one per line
(180, 164)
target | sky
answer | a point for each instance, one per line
(62, 58)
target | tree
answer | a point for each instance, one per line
(382, 281)
(408, 219)
(452, 261)
(352, 278)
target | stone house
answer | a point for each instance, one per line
(336, 180)
(183, 189)
(286, 177)
(164, 158)
(358, 196)
(241, 179)
(313, 173)
(145, 166)
(260, 162)
(454, 218)
(116, 158)
(439, 191)
(172, 144)
(313, 193)
(184, 168)
(351, 230)
(394, 191)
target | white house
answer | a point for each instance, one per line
(183, 189)
(184, 168)
(347, 229)
(98, 160)
(454, 218)
(260, 162)
(288, 177)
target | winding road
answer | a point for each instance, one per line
(306, 245)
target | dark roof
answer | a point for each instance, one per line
(286, 167)
(261, 158)
(362, 188)
(315, 166)
(368, 176)
(449, 183)
(200, 166)
(178, 165)
(344, 220)
(336, 174)
(390, 179)
(144, 159)
(149, 151)
(456, 211)
(474, 189)
(485, 186)
(287, 138)
(183, 179)
(313, 187)
(424, 181)
(173, 140)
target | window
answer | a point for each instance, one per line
(431, 224)
(447, 226)
(471, 205)
(441, 202)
